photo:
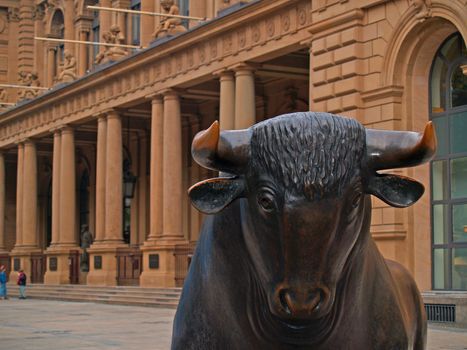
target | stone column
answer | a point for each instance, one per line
(29, 215)
(109, 202)
(39, 45)
(195, 177)
(166, 225)
(67, 236)
(105, 19)
(19, 197)
(100, 178)
(172, 168)
(245, 107)
(82, 57)
(56, 188)
(50, 65)
(155, 171)
(2, 203)
(113, 179)
(227, 100)
(69, 25)
(142, 189)
(147, 22)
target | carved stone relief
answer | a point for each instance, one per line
(13, 14)
(423, 8)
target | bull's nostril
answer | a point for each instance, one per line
(314, 300)
(284, 300)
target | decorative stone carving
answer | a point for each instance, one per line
(169, 26)
(68, 72)
(13, 14)
(28, 79)
(38, 12)
(112, 53)
(423, 7)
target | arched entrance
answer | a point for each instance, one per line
(448, 102)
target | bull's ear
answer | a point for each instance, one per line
(212, 195)
(395, 190)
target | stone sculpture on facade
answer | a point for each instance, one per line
(423, 8)
(112, 53)
(169, 25)
(28, 79)
(288, 261)
(68, 72)
(86, 241)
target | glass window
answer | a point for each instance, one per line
(440, 175)
(440, 263)
(459, 222)
(438, 85)
(440, 215)
(448, 91)
(135, 23)
(95, 35)
(458, 88)
(459, 268)
(442, 135)
(459, 178)
(458, 123)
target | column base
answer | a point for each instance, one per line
(164, 263)
(24, 256)
(58, 271)
(103, 264)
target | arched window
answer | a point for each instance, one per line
(95, 34)
(449, 168)
(184, 11)
(135, 23)
(57, 30)
(84, 200)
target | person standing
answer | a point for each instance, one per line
(3, 291)
(22, 284)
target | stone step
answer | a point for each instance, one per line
(154, 297)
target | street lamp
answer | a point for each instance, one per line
(129, 181)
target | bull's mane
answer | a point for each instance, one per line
(309, 153)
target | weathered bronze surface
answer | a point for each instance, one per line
(287, 261)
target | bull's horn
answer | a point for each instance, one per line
(226, 151)
(400, 149)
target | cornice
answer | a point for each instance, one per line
(190, 57)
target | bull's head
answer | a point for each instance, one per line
(306, 179)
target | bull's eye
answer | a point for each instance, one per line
(266, 201)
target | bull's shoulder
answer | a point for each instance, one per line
(401, 277)
(410, 303)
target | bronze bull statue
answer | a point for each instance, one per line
(287, 260)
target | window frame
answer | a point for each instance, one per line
(448, 113)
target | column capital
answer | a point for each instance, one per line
(66, 129)
(224, 73)
(464, 69)
(28, 142)
(171, 94)
(61, 128)
(111, 113)
(245, 66)
(156, 97)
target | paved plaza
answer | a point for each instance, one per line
(54, 325)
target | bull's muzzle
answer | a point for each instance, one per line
(301, 303)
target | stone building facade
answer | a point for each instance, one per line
(66, 152)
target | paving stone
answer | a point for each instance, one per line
(56, 325)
